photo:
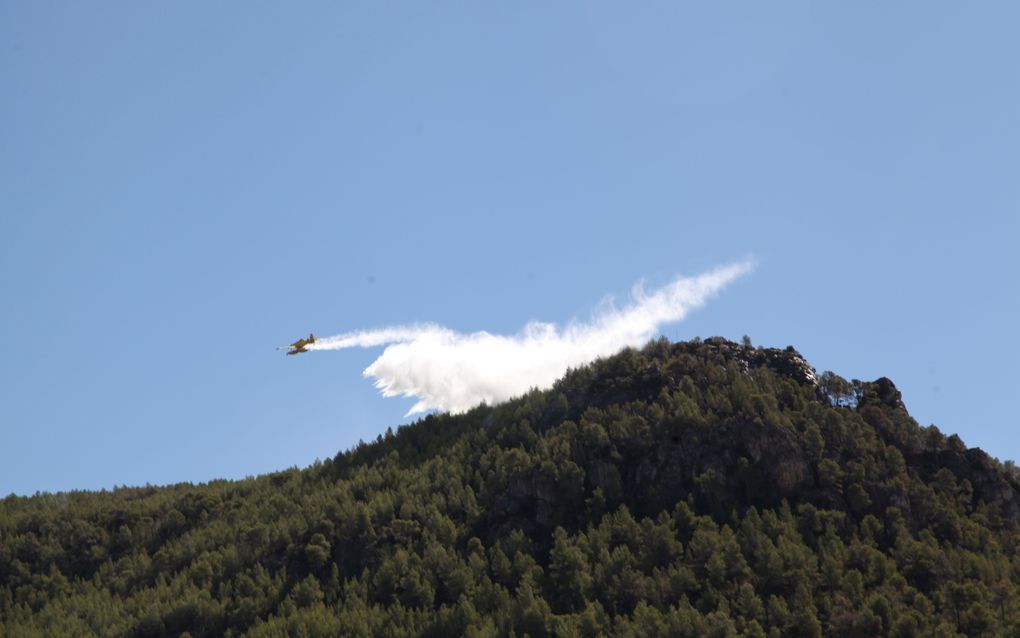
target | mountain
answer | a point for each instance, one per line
(705, 488)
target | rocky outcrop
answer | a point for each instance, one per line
(785, 361)
(887, 393)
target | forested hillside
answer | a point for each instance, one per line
(704, 488)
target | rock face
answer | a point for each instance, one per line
(887, 393)
(787, 362)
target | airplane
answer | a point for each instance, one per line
(299, 346)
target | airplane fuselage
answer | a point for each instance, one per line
(301, 345)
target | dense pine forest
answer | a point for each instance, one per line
(705, 488)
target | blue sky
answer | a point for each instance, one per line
(184, 186)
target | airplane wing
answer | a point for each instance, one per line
(298, 346)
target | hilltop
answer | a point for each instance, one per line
(684, 489)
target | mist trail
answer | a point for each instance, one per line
(453, 371)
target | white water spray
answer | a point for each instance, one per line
(452, 371)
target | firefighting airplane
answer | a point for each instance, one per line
(299, 346)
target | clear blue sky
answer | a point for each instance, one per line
(184, 186)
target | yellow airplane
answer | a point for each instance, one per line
(299, 346)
